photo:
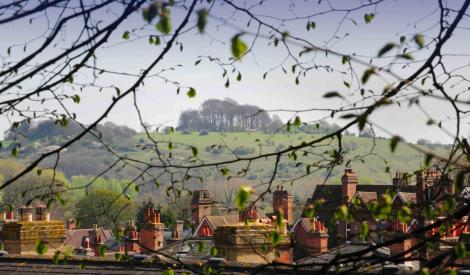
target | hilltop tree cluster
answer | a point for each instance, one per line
(226, 115)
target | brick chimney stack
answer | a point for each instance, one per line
(349, 183)
(398, 180)
(95, 239)
(151, 233)
(282, 202)
(25, 214)
(400, 247)
(9, 214)
(249, 214)
(201, 205)
(69, 224)
(42, 213)
(132, 245)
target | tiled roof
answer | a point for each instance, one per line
(408, 197)
(216, 221)
(308, 224)
(333, 197)
(367, 197)
(74, 237)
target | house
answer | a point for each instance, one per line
(209, 224)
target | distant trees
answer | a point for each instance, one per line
(224, 115)
(56, 132)
(104, 207)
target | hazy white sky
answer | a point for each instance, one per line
(161, 105)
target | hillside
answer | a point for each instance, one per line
(88, 157)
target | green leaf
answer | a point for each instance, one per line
(345, 60)
(202, 19)
(239, 77)
(385, 49)
(368, 17)
(125, 35)
(394, 142)
(239, 47)
(164, 24)
(276, 237)
(40, 247)
(55, 259)
(342, 213)
(243, 195)
(194, 150)
(461, 250)
(419, 40)
(214, 251)
(332, 94)
(460, 181)
(69, 79)
(200, 247)
(15, 152)
(76, 98)
(405, 214)
(191, 92)
(366, 75)
(406, 56)
(364, 231)
(297, 121)
(150, 12)
(402, 39)
(101, 250)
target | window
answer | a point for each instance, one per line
(348, 232)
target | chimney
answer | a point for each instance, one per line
(250, 214)
(282, 203)
(42, 213)
(151, 233)
(397, 181)
(69, 224)
(132, 244)
(178, 230)
(312, 242)
(95, 239)
(25, 214)
(9, 214)
(201, 205)
(86, 242)
(400, 247)
(349, 183)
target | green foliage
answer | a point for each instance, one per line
(368, 17)
(385, 49)
(242, 197)
(40, 247)
(239, 47)
(104, 207)
(202, 19)
(143, 206)
(79, 186)
(191, 92)
(164, 24)
(34, 185)
(419, 40)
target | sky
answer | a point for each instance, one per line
(161, 105)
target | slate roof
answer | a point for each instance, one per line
(307, 223)
(367, 197)
(333, 197)
(408, 197)
(74, 237)
(216, 221)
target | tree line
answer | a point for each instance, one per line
(225, 115)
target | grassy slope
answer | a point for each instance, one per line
(371, 171)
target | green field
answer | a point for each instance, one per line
(375, 154)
